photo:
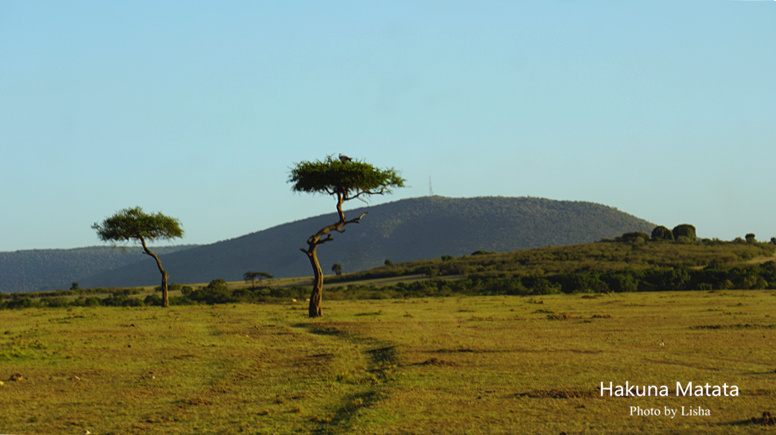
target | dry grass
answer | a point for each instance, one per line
(444, 365)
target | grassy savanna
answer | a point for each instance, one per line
(497, 364)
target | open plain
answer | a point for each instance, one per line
(496, 364)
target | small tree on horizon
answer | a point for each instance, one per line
(337, 269)
(344, 179)
(253, 276)
(132, 224)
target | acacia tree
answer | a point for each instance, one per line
(132, 224)
(253, 276)
(344, 179)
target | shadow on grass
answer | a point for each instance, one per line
(765, 420)
(319, 329)
(341, 421)
(383, 355)
(382, 361)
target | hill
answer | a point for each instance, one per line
(404, 230)
(52, 269)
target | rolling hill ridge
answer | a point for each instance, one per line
(404, 230)
(52, 269)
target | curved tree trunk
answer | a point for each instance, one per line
(316, 296)
(165, 296)
(318, 238)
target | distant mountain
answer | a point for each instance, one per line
(404, 230)
(57, 269)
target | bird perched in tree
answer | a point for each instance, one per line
(344, 159)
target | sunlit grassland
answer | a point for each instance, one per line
(440, 365)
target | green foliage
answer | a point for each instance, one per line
(594, 267)
(635, 237)
(684, 230)
(662, 233)
(623, 281)
(253, 276)
(481, 252)
(154, 300)
(332, 176)
(171, 286)
(132, 224)
(216, 292)
(337, 269)
(347, 180)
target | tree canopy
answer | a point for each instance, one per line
(132, 224)
(346, 179)
(349, 179)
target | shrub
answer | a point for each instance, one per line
(216, 292)
(541, 286)
(153, 299)
(662, 233)
(92, 302)
(481, 252)
(684, 230)
(622, 282)
(633, 237)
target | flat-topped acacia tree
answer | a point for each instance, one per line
(344, 179)
(132, 224)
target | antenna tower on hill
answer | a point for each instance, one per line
(430, 187)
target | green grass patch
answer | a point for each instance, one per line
(480, 365)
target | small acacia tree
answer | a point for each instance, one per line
(132, 224)
(344, 179)
(253, 276)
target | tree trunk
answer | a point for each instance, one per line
(316, 296)
(165, 296)
(318, 239)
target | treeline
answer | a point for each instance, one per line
(629, 263)
(623, 254)
(682, 278)
(216, 292)
(713, 277)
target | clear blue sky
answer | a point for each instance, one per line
(198, 109)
